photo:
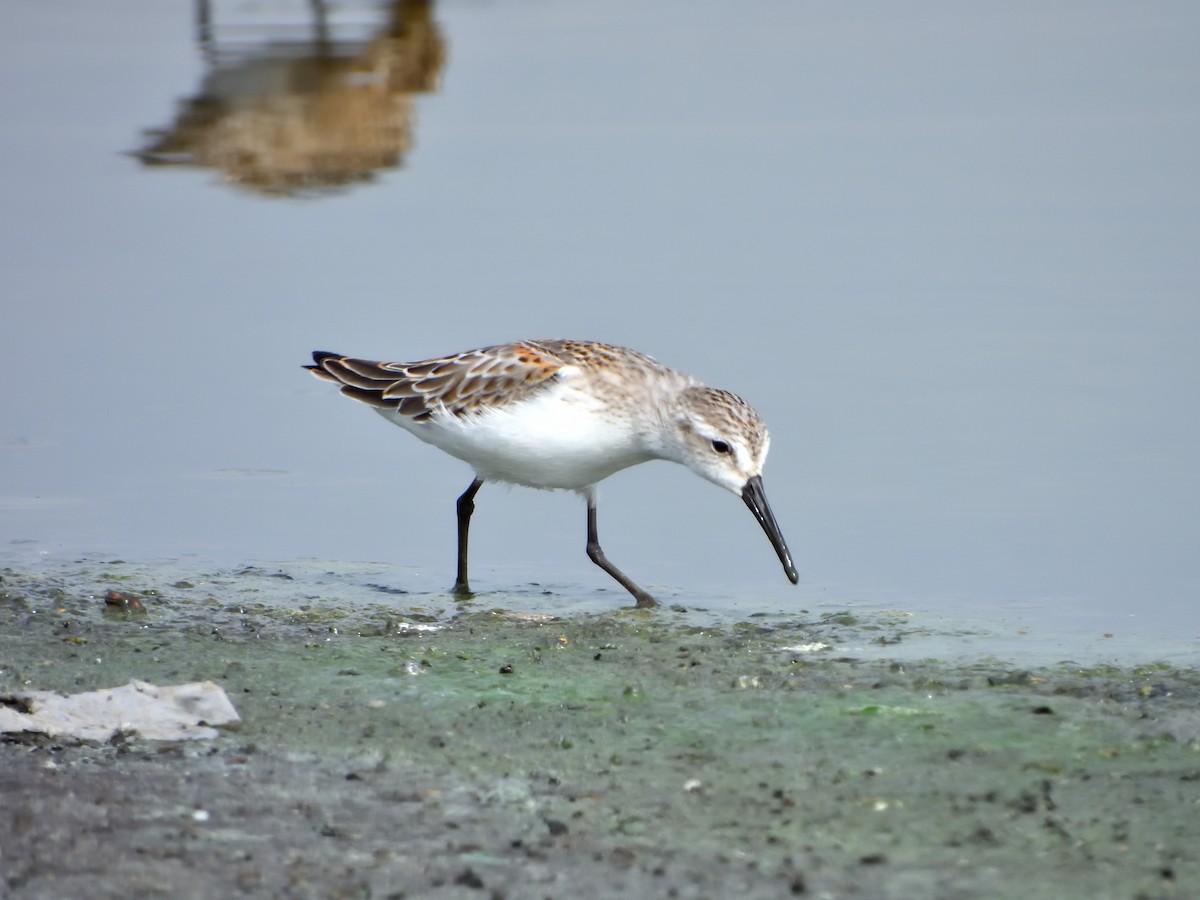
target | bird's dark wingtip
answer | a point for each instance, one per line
(319, 356)
(318, 369)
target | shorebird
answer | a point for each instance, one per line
(564, 415)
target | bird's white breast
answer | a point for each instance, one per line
(559, 438)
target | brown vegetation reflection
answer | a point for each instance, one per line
(288, 117)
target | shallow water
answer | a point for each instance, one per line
(286, 599)
(949, 255)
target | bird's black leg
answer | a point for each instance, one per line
(596, 555)
(466, 506)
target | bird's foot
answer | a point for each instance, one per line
(644, 600)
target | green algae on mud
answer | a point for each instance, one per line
(406, 745)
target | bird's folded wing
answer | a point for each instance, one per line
(461, 385)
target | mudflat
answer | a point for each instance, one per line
(400, 745)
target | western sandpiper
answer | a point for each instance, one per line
(564, 415)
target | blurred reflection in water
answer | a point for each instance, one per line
(289, 109)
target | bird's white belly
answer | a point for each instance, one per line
(554, 440)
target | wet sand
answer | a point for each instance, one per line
(400, 745)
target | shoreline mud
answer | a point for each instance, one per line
(398, 745)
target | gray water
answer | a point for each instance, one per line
(950, 253)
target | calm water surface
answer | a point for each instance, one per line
(950, 254)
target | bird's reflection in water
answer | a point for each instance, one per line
(288, 109)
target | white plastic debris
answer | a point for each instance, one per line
(174, 713)
(814, 647)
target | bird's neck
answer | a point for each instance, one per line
(663, 434)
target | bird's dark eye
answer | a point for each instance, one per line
(720, 446)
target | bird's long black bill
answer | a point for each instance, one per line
(756, 499)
